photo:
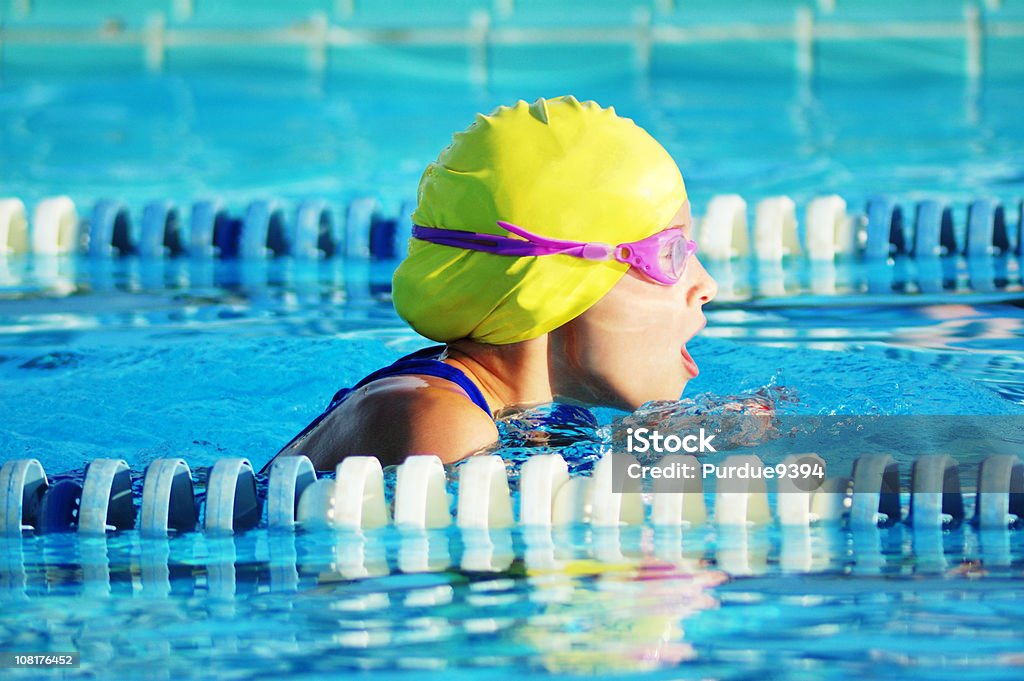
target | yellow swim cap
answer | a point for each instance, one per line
(557, 168)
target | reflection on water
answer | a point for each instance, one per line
(700, 601)
(331, 602)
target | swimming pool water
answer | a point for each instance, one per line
(139, 361)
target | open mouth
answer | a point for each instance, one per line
(691, 366)
(688, 362)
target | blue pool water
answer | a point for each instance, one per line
(184, 137)
(134, 360)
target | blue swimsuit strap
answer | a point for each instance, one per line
(423, 362)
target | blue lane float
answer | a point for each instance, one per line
(315, 232)
(987, 232)
(110, 230)
(265, 231)
(208, 219)
(289, 478)
(1000, 500)
(168, 498)
(22, 486)
(884, 228)
(231, 501)
(931, 221)
(876, 491)
(107, 502)
(978, 241)
(935, 497)
(358, 223)
(160, 234)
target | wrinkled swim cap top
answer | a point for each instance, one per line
(558, 168)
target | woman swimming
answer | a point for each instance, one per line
(552, 258)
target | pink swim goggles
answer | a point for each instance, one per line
(661, 257)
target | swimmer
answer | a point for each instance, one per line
(551, 259)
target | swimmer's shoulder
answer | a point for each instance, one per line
(424, 415)
(398, 416)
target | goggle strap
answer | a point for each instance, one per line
(591, 250)
(502, 245)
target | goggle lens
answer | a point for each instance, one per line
(674, 256)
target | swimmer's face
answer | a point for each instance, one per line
(630, 347)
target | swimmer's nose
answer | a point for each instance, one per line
(704, 288)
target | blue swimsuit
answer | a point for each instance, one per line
(423, 362)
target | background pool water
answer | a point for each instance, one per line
(186, 136)
(141, 360)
